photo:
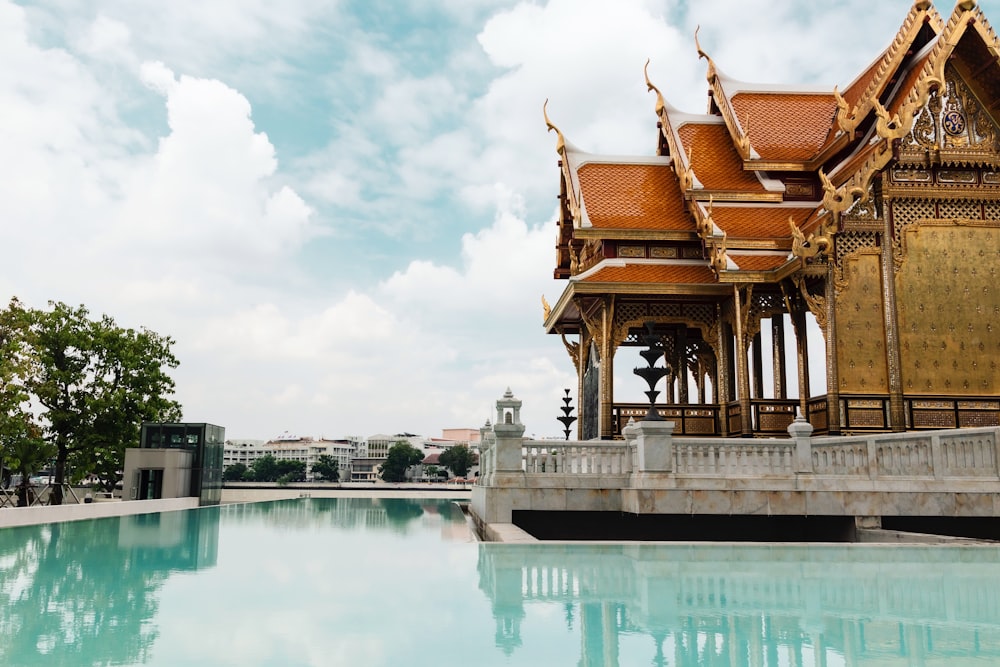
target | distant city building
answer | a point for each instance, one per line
(293, 448)
(462, 436)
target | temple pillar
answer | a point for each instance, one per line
(681, 371)
(778, 355)
(832, 364)
(897, 413)
(802, 356)
(700, 381)
(723, 369)
(742, 367)
(758, 365)
(607, 347)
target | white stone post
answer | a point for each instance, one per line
(509, 436)
(654, 446)
(801, 432)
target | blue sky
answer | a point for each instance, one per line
(343, 212)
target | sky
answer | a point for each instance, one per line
(343, 211)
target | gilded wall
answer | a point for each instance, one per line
(948, 305)
(861, 327)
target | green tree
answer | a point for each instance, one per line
(15, 415)
(326, 467)
(269, 469)
(459, 459)
(264, 469)
(290, 471)
(401, 456)
(234, 473)
(96, 383)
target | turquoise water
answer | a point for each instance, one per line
(400, 582)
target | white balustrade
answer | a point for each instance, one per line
(575, 457)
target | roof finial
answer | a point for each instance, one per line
(561, 141)
(701, 54)
(660, 104)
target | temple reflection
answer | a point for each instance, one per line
(710, 606)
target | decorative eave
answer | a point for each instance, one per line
(668, 128)
(838, 198)
(922, 12)
(740, 137)
(562, 149)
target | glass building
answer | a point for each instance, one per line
(204, 441)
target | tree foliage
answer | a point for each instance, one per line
(401, 456)
(459, 459)
(234, 472)
(327, 468)
(93, 384)
(269, 469)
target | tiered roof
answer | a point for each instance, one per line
(766, 161)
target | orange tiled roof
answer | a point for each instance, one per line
(758, 262)
(785, 126)
(714, 159)
(633, 196)
(854, 91)
(654, 273)
(758, 222)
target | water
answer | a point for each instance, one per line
(400, 582)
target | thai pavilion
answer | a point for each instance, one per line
(872, 210)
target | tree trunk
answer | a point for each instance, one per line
(56, 497)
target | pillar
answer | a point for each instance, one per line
(607, 347)
(832, 373)
(742, 368)
(680, 346)
(801, 354)
(778, 355)
(897, 416)
(758, 365)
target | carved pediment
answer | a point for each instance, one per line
(952, 128)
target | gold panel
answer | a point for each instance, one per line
(775, 421)
(632, 251)
(865, 417)
(861, 327)
(661, 252)
(933, 419)
(948, 303)
(977, 419)
(699, 425)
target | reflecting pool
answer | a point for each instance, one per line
(401, 582)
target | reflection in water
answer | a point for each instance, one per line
(85, 592)
(766, 606)
(395, 514)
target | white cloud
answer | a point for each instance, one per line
(150, 183)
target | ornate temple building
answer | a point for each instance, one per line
(863, 219)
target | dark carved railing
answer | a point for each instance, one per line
(770, 417)
(694, 419)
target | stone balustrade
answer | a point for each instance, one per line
(918, 473)
(588, 457)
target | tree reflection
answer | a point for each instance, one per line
(77, 594)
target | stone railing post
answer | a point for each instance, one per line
(508, 455)
(801, 432)
(654, 446)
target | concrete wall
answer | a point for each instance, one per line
(27, 516)
(176, 466)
